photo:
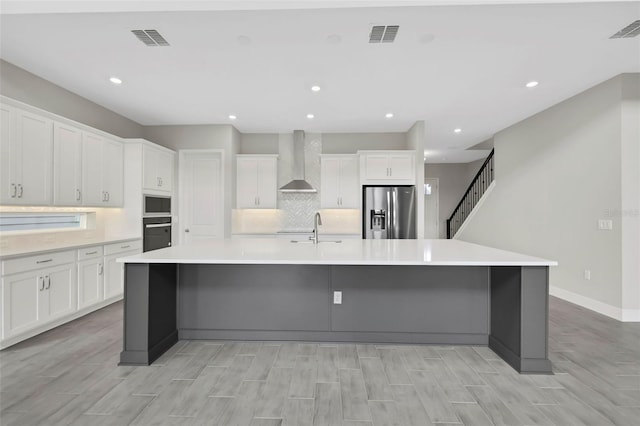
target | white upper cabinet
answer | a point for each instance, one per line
(257, 181)
(339, 182)
(102, 171)
(45, 162)
(27, 157)
(67, 165)
(112, 173)
(157, 166)
(387, 167)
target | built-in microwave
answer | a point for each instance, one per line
(154, 205)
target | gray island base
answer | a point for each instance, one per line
(504, 307)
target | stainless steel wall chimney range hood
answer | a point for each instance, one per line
(298, 184)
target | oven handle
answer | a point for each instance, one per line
(157, 225)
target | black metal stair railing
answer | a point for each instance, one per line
(476, 190)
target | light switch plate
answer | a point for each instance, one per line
(337, 298)
(605, 224)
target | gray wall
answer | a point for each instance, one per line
(259, 143)
(349, 143)
(23, 86)
(557, 173)
(209, 136)
(453, 180)
(630, 210)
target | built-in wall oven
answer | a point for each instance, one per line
(156, 222)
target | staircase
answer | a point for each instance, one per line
(474, 193)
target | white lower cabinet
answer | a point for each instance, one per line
(114, 276)
(114, 271)
(31, 298)
(43, 291)
(90, 277)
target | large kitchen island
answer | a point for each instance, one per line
(391, 291)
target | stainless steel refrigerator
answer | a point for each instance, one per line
(389, 212)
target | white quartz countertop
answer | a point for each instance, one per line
(273, 251)
(6, 254)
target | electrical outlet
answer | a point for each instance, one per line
(587, 274)
(605, 224)
(337, 298)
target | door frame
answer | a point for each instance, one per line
(437, 218)
(182, 153)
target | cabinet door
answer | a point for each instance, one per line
(165, 164)
(90, 282)
(20, 293)
(247, 183)
(34, 160)
(113, 276)
(376, 166)
(402, 166)
(330, 183)
(349, 188)
(60, 289)
(150, 161)
(8, 191)
(67, 165)
(112, 173)
(267, 181)
(92, 161)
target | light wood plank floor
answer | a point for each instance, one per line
(69, 376)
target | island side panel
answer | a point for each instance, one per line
(253, 301)
(136, 315)
(519, 317)
(149, 312)
(535, 320)
(437, 304)
(163, 300)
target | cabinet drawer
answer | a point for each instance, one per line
(89, 252)
(30, 263)
(122, 247)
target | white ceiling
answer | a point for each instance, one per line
(451, 65)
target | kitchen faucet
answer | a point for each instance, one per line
(317, 220)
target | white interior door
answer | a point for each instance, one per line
(201, 199)
(431, 206)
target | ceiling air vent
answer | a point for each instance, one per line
(629, 31)
(383, 34)
(151, 38)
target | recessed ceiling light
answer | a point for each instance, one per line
(389, 115)
(232, 117)
(531, 84)
(310, 115)
(115, 80)
(315, 88)
(457, 130)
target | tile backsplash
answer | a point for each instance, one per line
(298, 208)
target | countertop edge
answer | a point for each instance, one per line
(67, 247)
(336, 263)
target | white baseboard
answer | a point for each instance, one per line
(625, 315)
